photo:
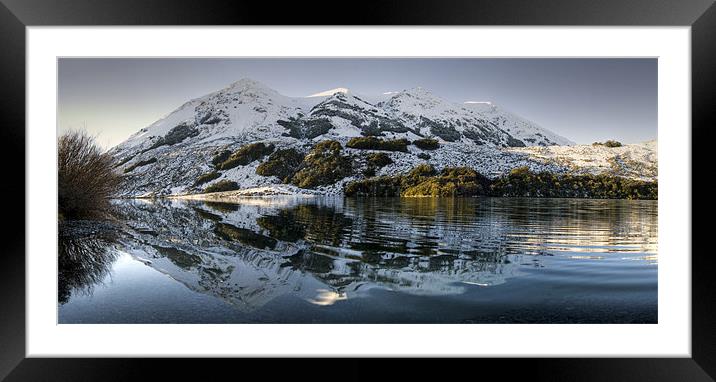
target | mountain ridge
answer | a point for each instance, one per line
(166, 157)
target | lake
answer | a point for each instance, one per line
(373, 260)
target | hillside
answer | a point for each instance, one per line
(213, 140)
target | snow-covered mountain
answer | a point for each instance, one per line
(167, 156)
(527, 131)
(248, 110)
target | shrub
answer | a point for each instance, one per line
(220, 158)
(378, 186)
(427, 144)
(389, 185)
(323, 165)
(418, 174)
(86, 179)
(247, 154)
(141, 163)
(222, 185)
(609, 143)
(282, 164)
(369, 172)
(208, 177)
(523, 182)
(424, 156)
(376, 161)
(520, 182)
(373, 143)
(456, 181)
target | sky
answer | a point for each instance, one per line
(584, 99)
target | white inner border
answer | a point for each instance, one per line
(670, 337)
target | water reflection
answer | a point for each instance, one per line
(85, 256)
(327, 250)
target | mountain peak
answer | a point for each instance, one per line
(418, 94)
(418, 91)
(330, 92)
(248, 83)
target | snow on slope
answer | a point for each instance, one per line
(520, 128)
(639, 161)
(166, 157)
(329, 92)
(245, 109)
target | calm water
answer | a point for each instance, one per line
(380, 260)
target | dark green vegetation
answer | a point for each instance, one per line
(389, 185)
(282, 164)
(85, 179)
(609, 143)
(443, 130)
(305, 129)
(220, 157)
(376, 161)
(523, 182)
(378, 128)
(324, 165)
(373, 143)
(222, 185)
(427, 144)
(176, 135)
(423, 180)
(246, 154)
(141, 163)
(457, 181)
(208, 177)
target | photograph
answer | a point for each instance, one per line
(357, 190)
(210, 184)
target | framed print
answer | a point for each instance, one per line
(456, 179)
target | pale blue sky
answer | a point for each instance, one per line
(585, 100)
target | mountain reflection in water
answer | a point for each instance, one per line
(330, 251)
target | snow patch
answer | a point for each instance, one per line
(330, 92)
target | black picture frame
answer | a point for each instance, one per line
(15, 15)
